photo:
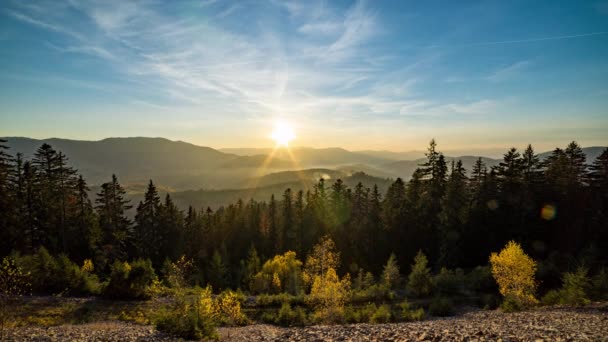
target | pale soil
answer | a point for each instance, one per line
(546, 324)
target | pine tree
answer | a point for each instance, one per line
(390, 273)
(170, 231)
(298, 224)
(375, 229)
(272, 226)
(86, 237)
(147, 237)
(478, 175)
(7, 221)
(454, 215)
(252, 266)
(218, 272)
(115, 226)
(419, 281)
(67, 180)
(577, 164)
(286, 235)
(46, 200)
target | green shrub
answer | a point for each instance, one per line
(359, 315)
(278, 299)
(480, 280)
(441, 306)
(419, 281)
(408, 313)
(449, 282)
(551, 298)
(489, 301)
(57, 275)
(512, 304)
(599, 286)
(291, 317)
(190, 319)
(269, 317)
(382, 314)
(373, 293)
(132, 281)
(574, 291)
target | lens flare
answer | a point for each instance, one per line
(548, 212)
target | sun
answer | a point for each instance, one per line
(282, 134)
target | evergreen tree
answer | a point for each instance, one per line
(286, 235)
(454, 216)
(298, 224)
(390, 273)
(218, 272)
(147, 236)
(170, 230)
(87, 235)
(115, 226)
(6, 202)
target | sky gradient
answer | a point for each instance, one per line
(360, 75)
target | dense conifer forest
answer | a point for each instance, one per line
(555, 208)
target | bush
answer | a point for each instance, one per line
(489, 301)
(376, 293)
(480, 280)
(576, 286)
(132, 281)
(551, 298)
(408, 313)
(291, 317)
(441, 306)
(229, 309)
(514, 272)
(382, 314)
(512, 304)
(328, 295)
(283, 273)
(278, 299)
(599, 285)
(269, 317)
(58, 275)
(449, 282)
(390, 273)
(190, 319)
(419, 281)
(360, 315)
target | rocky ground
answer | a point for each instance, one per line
(545, 324)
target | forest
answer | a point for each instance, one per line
(445, 221)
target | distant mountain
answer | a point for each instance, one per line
(269, 185)
(410, 155)
(175, 164)
(179, 166)
(307, 157)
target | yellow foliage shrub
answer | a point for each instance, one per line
(514, 273)
(328, 295)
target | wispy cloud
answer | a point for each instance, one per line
(509, 72)
(229, 10)
(326, 73)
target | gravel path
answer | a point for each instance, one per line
(553, 324)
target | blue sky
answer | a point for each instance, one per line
(358, 74)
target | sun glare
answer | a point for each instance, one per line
(282, 134)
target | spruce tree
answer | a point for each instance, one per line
(111, 206)
(147, 236)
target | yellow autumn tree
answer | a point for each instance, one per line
(283, 273)
(514, 272)
(328, 295)
(324, 256)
